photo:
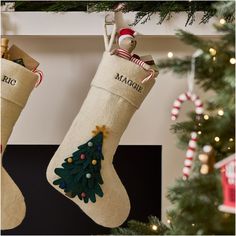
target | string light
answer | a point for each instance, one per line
(206, 117)
(193, 224)
(170, 54)
(168, 221)
(231, 139)
(199, 132)
(222, 21)
(232, 60)
(226, 215)
(217, 139)
(212, 51)
(214, 58)
(228, 148)
(154, 227)
(198, 117)
(199, 124)
(220, 112)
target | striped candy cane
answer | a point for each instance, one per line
(128, 56)
(190, 155)
(188, 96)
(40, 75)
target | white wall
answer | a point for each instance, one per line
(69, 64)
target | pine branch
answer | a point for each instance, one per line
(145, 10)
(153, 227)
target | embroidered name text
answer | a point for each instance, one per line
(8, 80)
(129, 82)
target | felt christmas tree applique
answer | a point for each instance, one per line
(80, 173)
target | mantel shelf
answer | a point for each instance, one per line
(91, 24)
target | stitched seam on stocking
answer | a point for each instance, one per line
(116, 95)
(20, 105)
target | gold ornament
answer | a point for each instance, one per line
(94, 162)
(69, 160)
(206, 117)
(204, 169)
(203, 157)
(207, 159)
(101, 129)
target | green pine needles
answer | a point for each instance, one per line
(144, 9)
(194, 202)
(80, 174)
(153, 227)
(194, 207)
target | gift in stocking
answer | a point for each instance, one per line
(17, 82)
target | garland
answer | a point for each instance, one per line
(145, 9)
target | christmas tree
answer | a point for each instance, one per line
(80, 173)
(195, 201)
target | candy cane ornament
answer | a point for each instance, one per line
(189, 96)
(186, 97)
(190, 155)
(40, 75)
(193, 141)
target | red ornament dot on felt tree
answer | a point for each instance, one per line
(83, 194)
(82, 156)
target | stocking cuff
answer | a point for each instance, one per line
(123, 78)
(17, 82)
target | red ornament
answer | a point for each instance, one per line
(228, 179)
(82, 156)
(83, 194)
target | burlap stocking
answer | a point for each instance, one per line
(116, 93)
(16, 85)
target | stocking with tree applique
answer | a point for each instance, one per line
(82, 168)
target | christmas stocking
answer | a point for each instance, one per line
(82, 168)
(16, 85)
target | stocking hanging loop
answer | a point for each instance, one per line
(191, 74)
(109, 38)
(116, 20)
